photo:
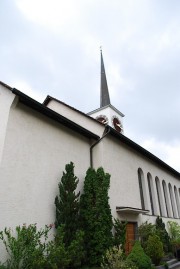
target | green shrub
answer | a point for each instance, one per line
(26, 248)
(138, 257)
(119, 233)
(3, 266)
(145, 230)
(163, 234)
(155, 249)
(115, 259)
(96, 216)
(174, 232)
(62, 256)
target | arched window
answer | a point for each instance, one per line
(142, 189)
(177, 201)
(151, 194)
(166, 198)
(172, 201)
(159, 195)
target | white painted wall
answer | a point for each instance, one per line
(77, 117)
(35, 150)
(122, 163)
(6, 99)
(35, 153)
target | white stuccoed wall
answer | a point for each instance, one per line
(122, 163)
(6, 99)
(35, 153)
(77, 117)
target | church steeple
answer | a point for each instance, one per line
(107, 114)
(104, 97)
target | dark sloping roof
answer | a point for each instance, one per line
(5, 85)
(142, 151)
(104, 98)
(53, 115)
(70, 124)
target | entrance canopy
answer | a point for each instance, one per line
(131, 210)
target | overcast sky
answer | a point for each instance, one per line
(52, 47)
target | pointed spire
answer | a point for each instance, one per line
(104, 99)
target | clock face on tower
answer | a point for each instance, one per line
(102, 118)
(117, 124)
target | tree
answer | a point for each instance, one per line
(138, 257)
(163, 234)
(155, 249)
(96, 215)
(145, 230)
(119, 233)
(67, 204)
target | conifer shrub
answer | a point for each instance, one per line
(96, 215)
(61, 256)
(69, 237)
(163, 234)
(138, 257)
(67, 204)
(154, 249)
(119, 233)
(145, 230)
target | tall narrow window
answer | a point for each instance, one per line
(172, 201)
(166, 198)
(159, 195)
(177, 201)
(142, 189)
(150, 192)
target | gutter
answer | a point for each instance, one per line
(106, 132)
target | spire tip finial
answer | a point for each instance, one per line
(101, 49)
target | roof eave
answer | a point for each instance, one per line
(143, 151)
(53, 115)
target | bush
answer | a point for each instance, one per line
(174, 230)
(27, 248)
(155, 249)
(119, 233)
(138, 257)
(62, 256)
(145, 230)
(163, 234)
(96, 216)
(115, 259)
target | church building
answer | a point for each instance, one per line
(37, 140)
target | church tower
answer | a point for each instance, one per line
(107, 114)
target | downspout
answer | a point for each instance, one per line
(97, 142)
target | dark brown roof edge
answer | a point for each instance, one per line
(143, 151)
(53, 115)
(5, 85)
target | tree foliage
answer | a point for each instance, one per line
(138, 257)
(145, 230)
(26, 247)
(67, 204)
(96, 215)
(154, 249)
(119, 233)
(115, 259)
(163, 234)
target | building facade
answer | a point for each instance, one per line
(38, 140)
